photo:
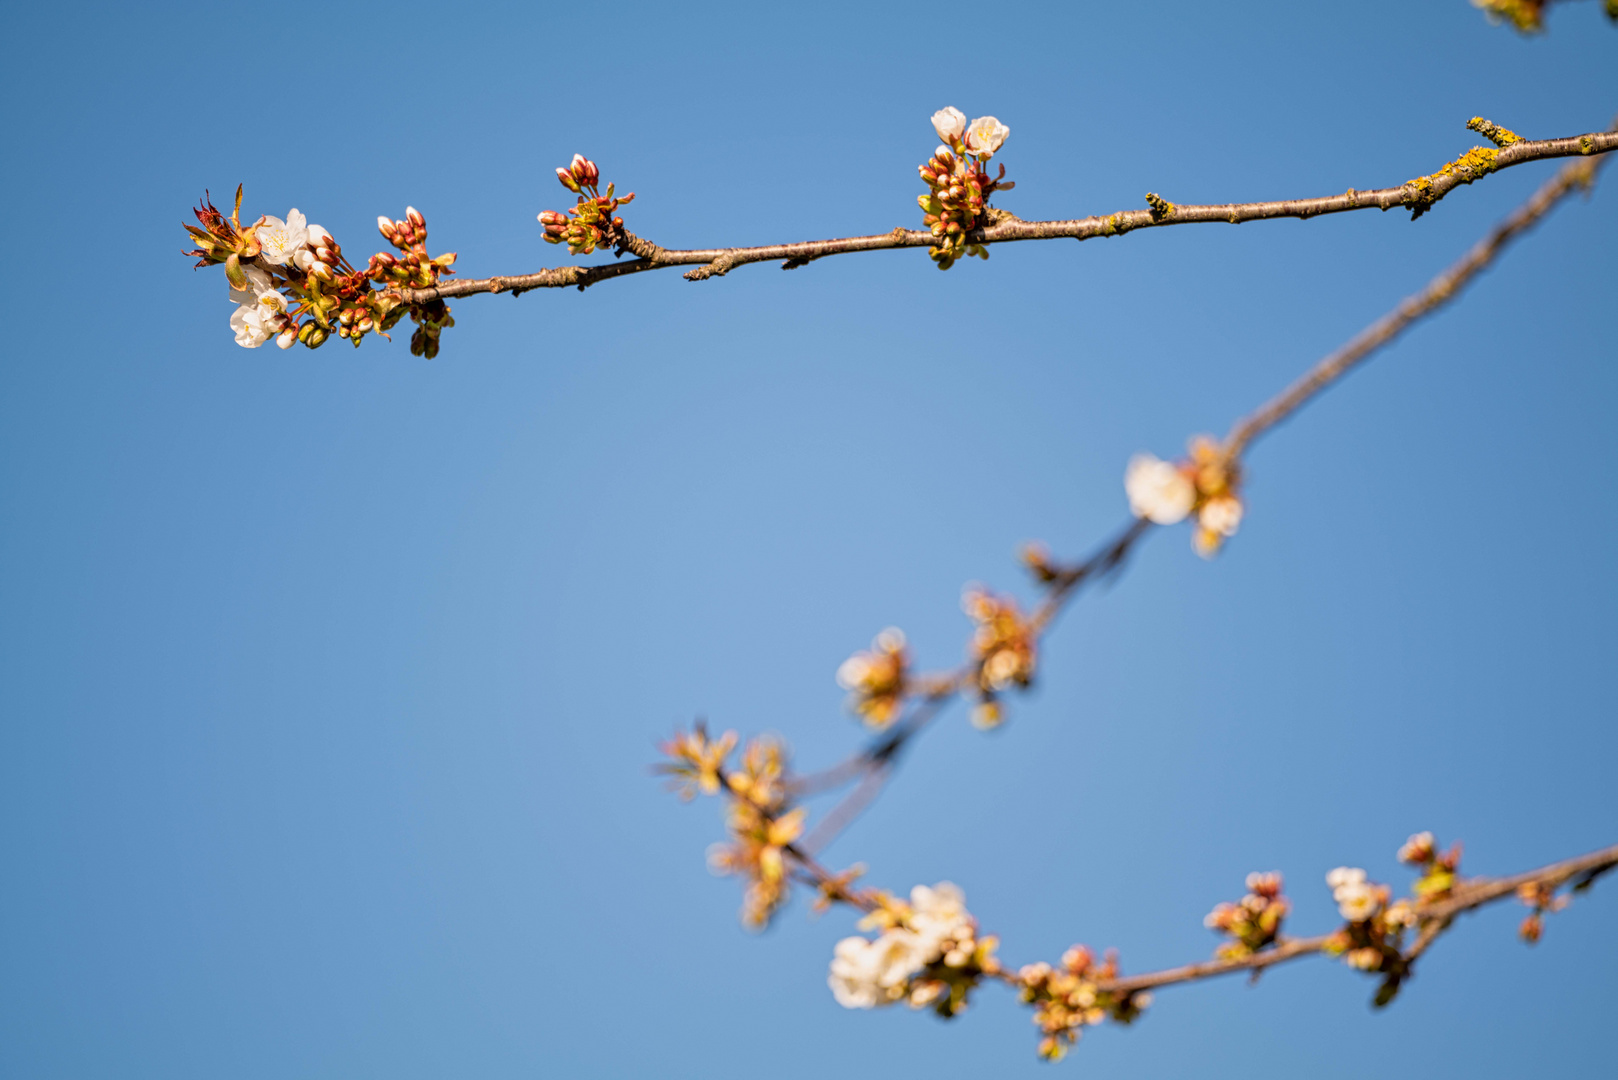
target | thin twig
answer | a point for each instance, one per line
(1440, 291)
(1417, 195)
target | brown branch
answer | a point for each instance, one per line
(1417, 195)
(1436, 918)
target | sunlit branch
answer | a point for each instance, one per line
(1416, 195)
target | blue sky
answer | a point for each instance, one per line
(329, 680)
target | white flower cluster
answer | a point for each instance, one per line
(1167, 492)
(982, 136)
(1158, 490)
(1357, 899)
(866, 973)
(261, 308)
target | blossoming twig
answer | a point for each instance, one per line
(1417, 195)
(1468, 896)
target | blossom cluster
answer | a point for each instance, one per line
(1372, 939)
(591, 223)
(1204, 484)
(1439, 872)
(928, 953)
(876, 681)
(1003, 651)
(759, 818)
(1074, 996)
(1253, 922)
(290, 280)
(958, 182)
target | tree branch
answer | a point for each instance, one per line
(1417, 195)
(1437, 917)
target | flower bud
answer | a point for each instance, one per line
(286, 338)
(567, 180)
(413, 216)
(386, 227)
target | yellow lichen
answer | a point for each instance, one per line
(1493, 132)
(1422, 192)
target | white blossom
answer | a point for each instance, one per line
(1158, 490)
(949, 122)
(252, 325)
(852, 979)
(985, 135)
(1222, 515)
(1345, 875)
(279, 240)
(938, 913)
(318, 236)
(852, 672)
(1356, 902)
(866, 973)
(259, 282)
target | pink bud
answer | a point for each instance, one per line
(414, 217)
(567, 180)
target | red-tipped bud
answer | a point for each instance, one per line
(551, 217)
(387, 228)
(567, 180)
(413, 216)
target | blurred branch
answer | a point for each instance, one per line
(1440, 291)
(1436, 918)
(1416, 195)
